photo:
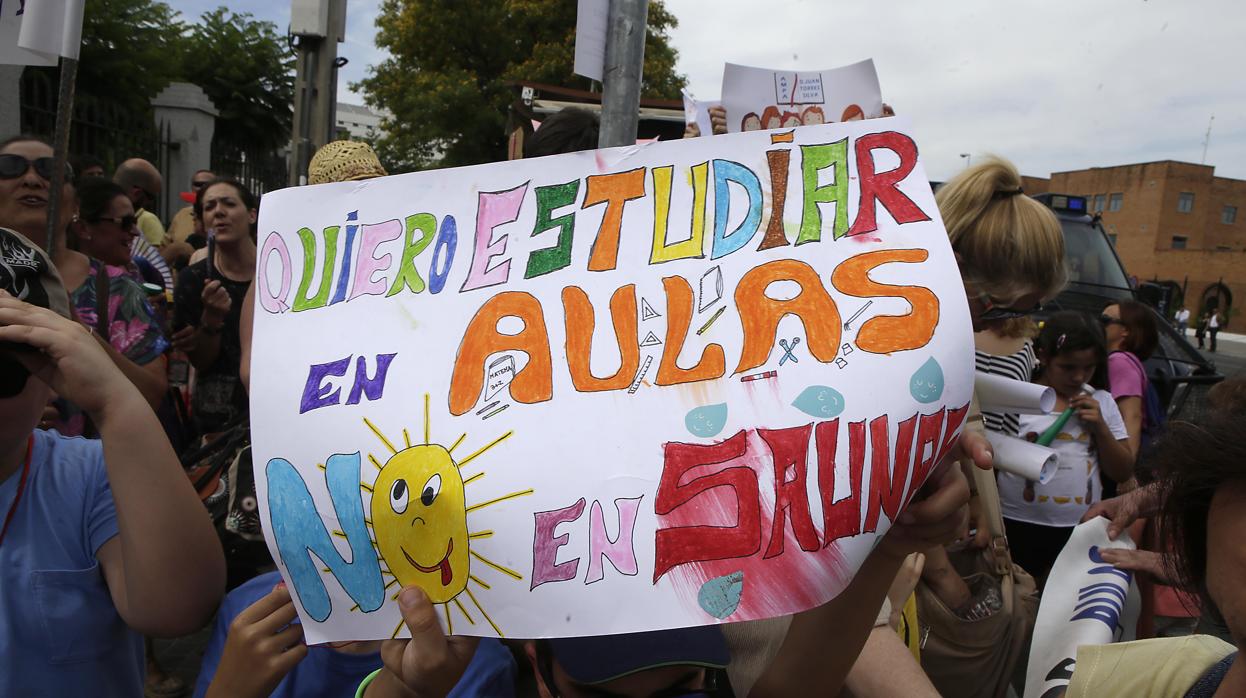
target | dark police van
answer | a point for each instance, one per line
(1097, 279)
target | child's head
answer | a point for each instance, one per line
(1071, 351)
(27, 274)
(1010, 247)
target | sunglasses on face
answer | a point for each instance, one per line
(13, 166)
(1109, 320)
(127, 223)
(13, 377)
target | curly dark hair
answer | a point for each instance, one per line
(1198, 460)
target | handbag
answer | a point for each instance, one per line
(979, 658)
(207, 464)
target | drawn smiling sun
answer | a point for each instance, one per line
(419, 521)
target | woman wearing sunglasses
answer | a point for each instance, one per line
(1010, 250)
(25, 176)
(107, 298)
(26, 164)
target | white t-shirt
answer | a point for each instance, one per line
(1183, 315)
(1075, 486)
(1214, 321)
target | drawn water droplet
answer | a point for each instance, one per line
(926, 385)
(708, 420)
(820, 401)
(720, 596)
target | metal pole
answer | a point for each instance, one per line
(60, 150)
(625, 61)
(300, 137)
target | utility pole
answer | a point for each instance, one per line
(625, 60)
(319, 25)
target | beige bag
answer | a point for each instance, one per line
(978, 658)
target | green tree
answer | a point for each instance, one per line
(133, 49)
(247, 69)
(446, 79)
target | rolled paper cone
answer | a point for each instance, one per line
(1020, 457)
(1049, 435)
(1000, 394)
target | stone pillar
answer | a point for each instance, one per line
(185, 114)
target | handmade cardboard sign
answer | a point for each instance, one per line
(611, 391)
(760, 98)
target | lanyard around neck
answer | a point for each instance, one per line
(21, 487)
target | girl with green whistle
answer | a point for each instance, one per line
(1087, 433)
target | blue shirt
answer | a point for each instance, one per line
(332, 674)
(60, 634)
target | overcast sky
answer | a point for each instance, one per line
(1052, 84)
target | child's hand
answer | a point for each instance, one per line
(258, 651)
(429, 664)
(718, 119)
(1087, 408)
(69, 359)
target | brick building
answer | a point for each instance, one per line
(1172, 221)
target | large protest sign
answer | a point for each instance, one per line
(761, 98)
(610, 391)
(1086, 602)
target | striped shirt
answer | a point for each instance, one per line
(1017, 366)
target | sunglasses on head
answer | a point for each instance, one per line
(996, 313)
(127, 223)
(13, 166)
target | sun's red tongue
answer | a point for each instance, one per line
(446, 573)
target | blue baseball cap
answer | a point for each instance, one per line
(602, 658)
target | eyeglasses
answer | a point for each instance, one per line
(13, 166)
(13, 376)
(1109, 320)
(127, 223)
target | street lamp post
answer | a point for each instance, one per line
(968, 159)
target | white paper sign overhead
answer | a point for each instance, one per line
(760, 98)
(53, 27)
(12, 16)
(592, 20)
(603, 392)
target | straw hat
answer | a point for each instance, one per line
(344, 161)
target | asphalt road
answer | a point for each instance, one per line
(1230, 356)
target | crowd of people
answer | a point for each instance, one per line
(123, 411)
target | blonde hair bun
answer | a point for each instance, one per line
(1008, 244)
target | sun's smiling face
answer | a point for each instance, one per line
(419, 520)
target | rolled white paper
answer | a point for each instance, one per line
(1020, 457)
(1000, 394)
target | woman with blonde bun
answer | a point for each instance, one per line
(1010, 247)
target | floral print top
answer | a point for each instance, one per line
(132, 330)
(132, 327)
